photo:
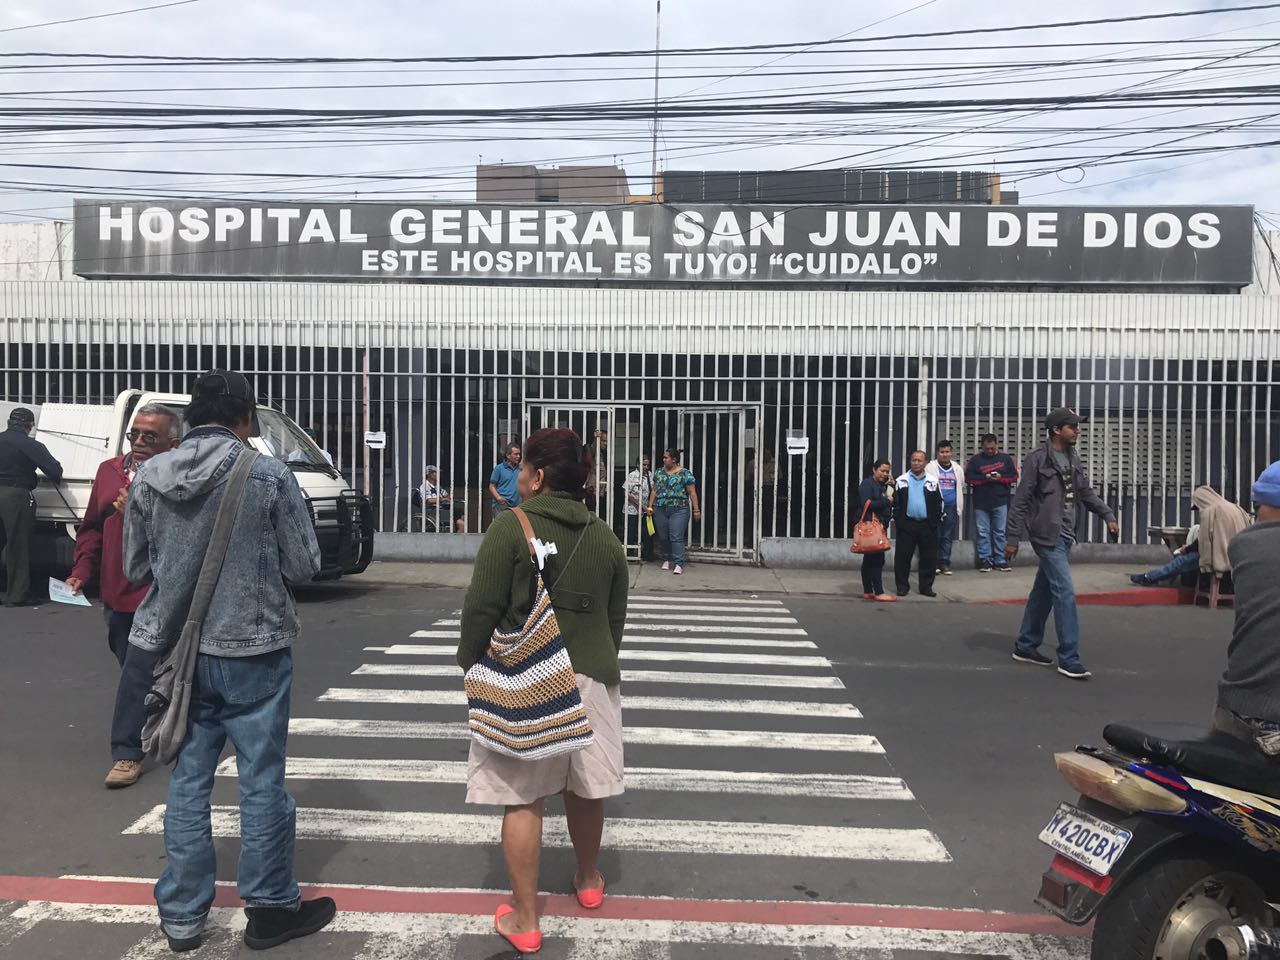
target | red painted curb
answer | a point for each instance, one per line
(473, 903)
(1138, 597)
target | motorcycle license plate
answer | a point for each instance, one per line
(1094, 844)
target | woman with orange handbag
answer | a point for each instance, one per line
(875, 496)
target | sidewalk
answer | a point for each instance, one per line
(1095, 582)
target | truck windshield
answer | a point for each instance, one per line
(286, 441)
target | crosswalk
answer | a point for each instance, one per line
(760, 813)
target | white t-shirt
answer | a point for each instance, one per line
(637, 485)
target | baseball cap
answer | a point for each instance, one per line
(1062, 417)
(1266, 490)
(22, 416)
(225, 383)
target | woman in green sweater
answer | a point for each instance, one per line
(587, 579)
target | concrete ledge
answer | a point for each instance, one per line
(427, 547)
(795, 553)
(779, 553)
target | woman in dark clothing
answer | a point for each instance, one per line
(877, 491)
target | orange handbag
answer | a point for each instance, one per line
(869, 535)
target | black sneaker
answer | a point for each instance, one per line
(1141, 580)
(945, 571)
(183, 945)
(1075, 671)
(987, 566)
(271, 926)
(1005, 568)
(1034, 657)
(927, 593)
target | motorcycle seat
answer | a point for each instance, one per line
(1205, 754)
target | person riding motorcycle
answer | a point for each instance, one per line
(1249, 693)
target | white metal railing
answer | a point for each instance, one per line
(1178, 390)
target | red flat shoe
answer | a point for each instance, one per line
(530, 942)
(591, 899)
(868, 596)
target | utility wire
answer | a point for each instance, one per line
(98, 16)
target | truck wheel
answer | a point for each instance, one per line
(1169, 911)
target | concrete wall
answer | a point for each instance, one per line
(780, 553)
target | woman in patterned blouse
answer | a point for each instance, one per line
(674, 491)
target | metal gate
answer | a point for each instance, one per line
(717, 443)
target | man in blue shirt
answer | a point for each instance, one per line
(502, 482)
(917, 505)
(20, 458)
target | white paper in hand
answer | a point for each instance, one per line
(59, 592)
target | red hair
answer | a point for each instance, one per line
(563, 460)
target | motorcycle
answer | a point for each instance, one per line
(1173, 847)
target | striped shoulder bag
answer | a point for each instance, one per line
(522, 695)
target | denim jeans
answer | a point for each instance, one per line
(1053, 592)
(947, 533)
(672, 526)
(1182, 563)
(136, 674)
(990, 541)
(118, 627)
(246, 700)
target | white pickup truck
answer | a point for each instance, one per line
(81, 436)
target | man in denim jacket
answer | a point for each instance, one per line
(244, 672)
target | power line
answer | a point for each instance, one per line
(98, 16)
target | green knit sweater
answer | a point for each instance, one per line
(590, 600)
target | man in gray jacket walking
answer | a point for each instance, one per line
(244, 672)
(1047, 510)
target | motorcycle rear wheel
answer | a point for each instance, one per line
(1171, 909)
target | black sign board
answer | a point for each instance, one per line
(905, 245)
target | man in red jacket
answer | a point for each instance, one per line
(100, 553)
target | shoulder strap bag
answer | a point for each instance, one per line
(164, 727)
(868, 535)
(522, 695)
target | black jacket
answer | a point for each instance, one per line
(932, 501)
(20, 457)
(1036, 513)
(881, 505)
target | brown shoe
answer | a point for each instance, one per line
(124, 773)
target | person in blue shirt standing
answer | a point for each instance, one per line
(917, 506)
(20, 458)
(951, 484)
(502, 482)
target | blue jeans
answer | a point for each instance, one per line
(990, 540)
(136, 674)
(246, 700)
(672, 526)
(1182, 563)
(1053, 592)
(947, 533)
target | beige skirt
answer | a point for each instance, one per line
(592, 773)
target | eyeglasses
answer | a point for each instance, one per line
(146, 435)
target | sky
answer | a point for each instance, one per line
(1048, 153)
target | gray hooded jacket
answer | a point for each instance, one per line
(173, 503)
(1036, 511)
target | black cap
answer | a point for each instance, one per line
(224, 383)
(1062, 417)
(22, 416)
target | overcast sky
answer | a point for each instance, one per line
(444, 155)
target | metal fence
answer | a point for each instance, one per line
(1177, 390)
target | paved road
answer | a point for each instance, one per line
(790, 761)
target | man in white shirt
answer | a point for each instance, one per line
(950, 477)
(637, 487)
(437, 504)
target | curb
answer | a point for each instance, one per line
(1140, 597)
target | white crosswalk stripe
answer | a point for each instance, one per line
(682, 656)
(628, 676)
(777, 708)
(430, 936)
